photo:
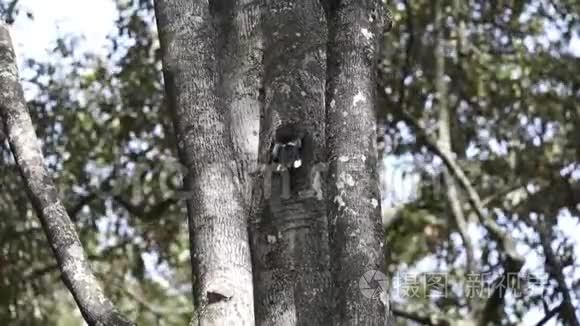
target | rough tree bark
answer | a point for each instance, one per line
(356, 233)
(240, 71)
(209, 56)
(190, 32)
(76, 273)
(289, 235)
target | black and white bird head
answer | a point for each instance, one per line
(287, 154)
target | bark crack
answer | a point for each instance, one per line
(215, 297)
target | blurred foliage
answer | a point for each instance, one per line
(513, 83)
(108, 145)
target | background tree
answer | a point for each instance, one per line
(497, 82)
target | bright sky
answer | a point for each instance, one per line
(92, 20)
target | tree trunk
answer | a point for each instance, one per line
(356, 233)
(289, 230)
(211, 74)
(190, 33)
(240, 71)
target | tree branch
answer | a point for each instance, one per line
(95, 307)
(106, 253)
(550, 315)
(505, 241)
(514, 260)
(445, 141)
(567, 310)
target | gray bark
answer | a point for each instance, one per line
(209, 52)
(240, 71)
(76, 273)
(289, 230)
(190, 33)
(356, 233)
